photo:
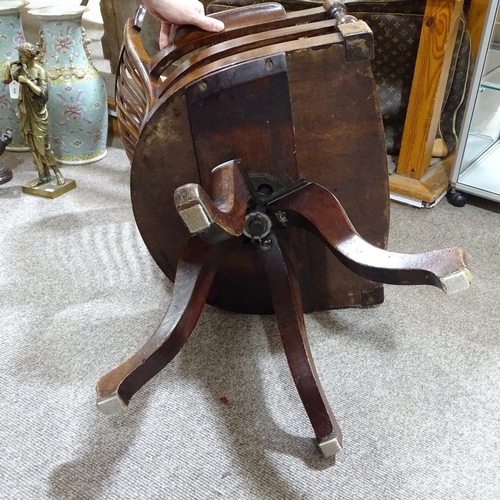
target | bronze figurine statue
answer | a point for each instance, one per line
(32, 110)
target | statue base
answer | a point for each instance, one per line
(50, 189)
(5, 174)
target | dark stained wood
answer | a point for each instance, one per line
(248, 42)
(340, 145)
(319, 211)
(226, 143)
(195, 39)
(247, 56)
(164, 159)
(248, 15)
(135, 88)
(137, 85)
(222, 218)
(254, 120)
(270, 121)
(197, 266)
(289, 313)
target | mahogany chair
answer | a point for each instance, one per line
(259, 184)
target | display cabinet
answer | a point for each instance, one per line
(477, 166)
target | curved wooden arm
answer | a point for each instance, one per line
(233, 19)
(192, 38)
(135, 92)
(245, 43)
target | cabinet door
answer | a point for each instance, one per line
(477, 166)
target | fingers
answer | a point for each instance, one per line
(204, 22)
(179, 12)
(164, 34)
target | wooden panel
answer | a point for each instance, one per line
(254, 119)
(336, 132)
(164, 159)
(341, 146)
(475, 23)
(435, 52)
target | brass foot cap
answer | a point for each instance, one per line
(111, 405)
(457, 282)
(329, 446)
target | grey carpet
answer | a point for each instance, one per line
(413, 382)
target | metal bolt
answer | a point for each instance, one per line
(266, 244)
(281, 217)
(203, 86)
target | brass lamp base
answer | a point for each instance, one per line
(50, 189)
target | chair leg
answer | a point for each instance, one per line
(222, 216)
(196, 269)
(316, 209)
(287, 303)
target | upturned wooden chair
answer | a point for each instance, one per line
(259, 184)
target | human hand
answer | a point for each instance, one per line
(171, 12)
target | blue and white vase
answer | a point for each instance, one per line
(11, 35)
(77, 104)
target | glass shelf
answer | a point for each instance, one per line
(477, 144)
(491, 80)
